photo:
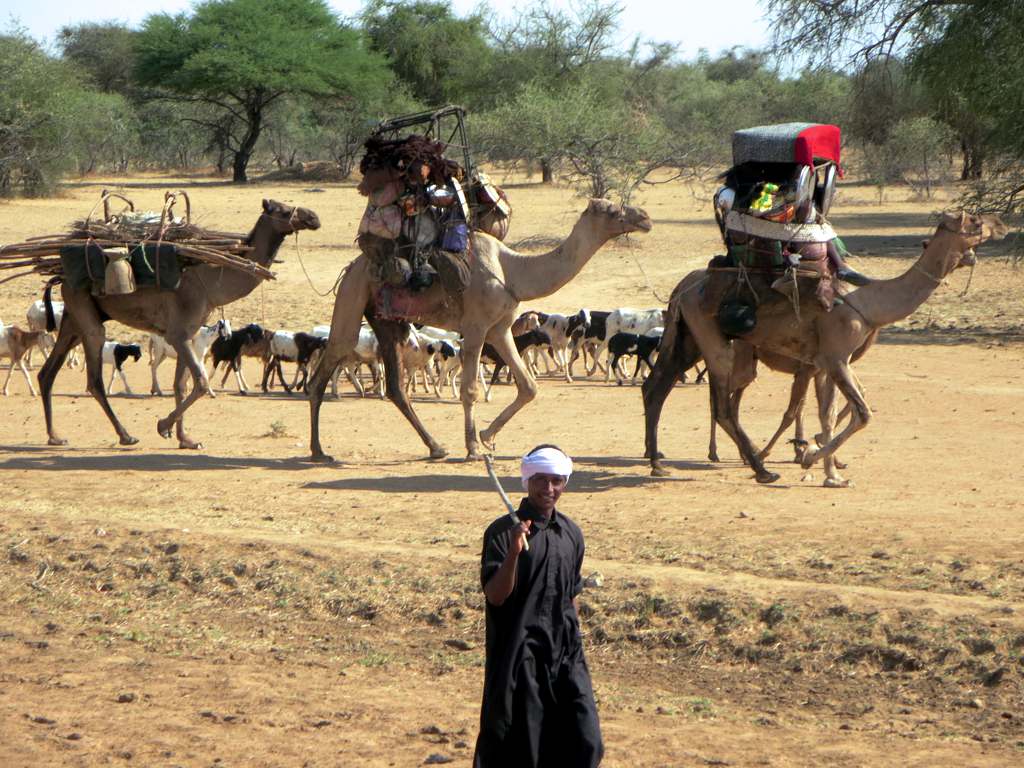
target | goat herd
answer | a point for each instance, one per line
(428, 354)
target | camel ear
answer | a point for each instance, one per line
(952, 221)
(267, 205)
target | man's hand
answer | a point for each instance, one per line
(503, 581)
(519, 535)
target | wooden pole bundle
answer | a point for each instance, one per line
(128, 229)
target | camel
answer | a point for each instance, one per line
(816, 341)
(175, 315)
(500, 279)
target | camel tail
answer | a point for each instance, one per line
(51, 320)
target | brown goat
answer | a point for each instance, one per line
(15, 344)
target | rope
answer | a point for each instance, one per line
(969, 278)
(309, 280)
(648, 280)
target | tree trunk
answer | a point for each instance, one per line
(245, 149)
(546, 174)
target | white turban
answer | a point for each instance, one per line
(546, 461)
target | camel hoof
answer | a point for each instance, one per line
(474, 456)
(767, 477)
(321, 458)
(129, 440)
(839, 464)
(659, 471)
(437, 452)
(164, 427)
(189, 444)
(713, 456)
(56, 441)
(835, 482)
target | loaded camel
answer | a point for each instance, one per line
(484, 312)
(818, 341)
(174, 315)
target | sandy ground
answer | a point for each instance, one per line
(238, 606)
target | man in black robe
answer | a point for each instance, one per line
(538, 707)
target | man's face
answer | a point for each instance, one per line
(544, 490)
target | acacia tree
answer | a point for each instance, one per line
(440, 57)
(39, 116)
(965, 51)
(241, 56)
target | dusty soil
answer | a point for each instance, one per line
(237, 606)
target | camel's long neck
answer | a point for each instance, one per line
(226, 285)
(532, 277)
(888, 301)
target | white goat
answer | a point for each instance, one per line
(160, 350)
(36, 317)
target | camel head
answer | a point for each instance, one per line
(618, 219)
(969, 231)
(287, 219)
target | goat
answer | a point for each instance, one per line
(591, 336)
(291, 347)
(559, 329)
(36, 317)
(160, 350)
(524, 342)
(622, 344)
(230, 349)
(115, 355)
(15, 344)
(449, 363)
(635, 321)
(527, 321)
(419, 359)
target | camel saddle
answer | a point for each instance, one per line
(796, 256)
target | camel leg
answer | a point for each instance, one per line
(390, 336)
(186, 363)
(526, 386)
(841, 376)
(352, 297)
(67, 339)
(92, 341)
(154, 387)
(655, 391)
(728, 420)
(797, 395)
(472, 373)
(825, 392)
(678, 352)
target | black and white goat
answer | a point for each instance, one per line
(536, 339)
(590, 337)
(231, 348)
(115, 355)
(643, 346)
(298, 348)
(635, 321)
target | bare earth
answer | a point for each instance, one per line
(239, 607)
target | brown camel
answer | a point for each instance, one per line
(816, 340)
(500, 279)
(175, 315)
